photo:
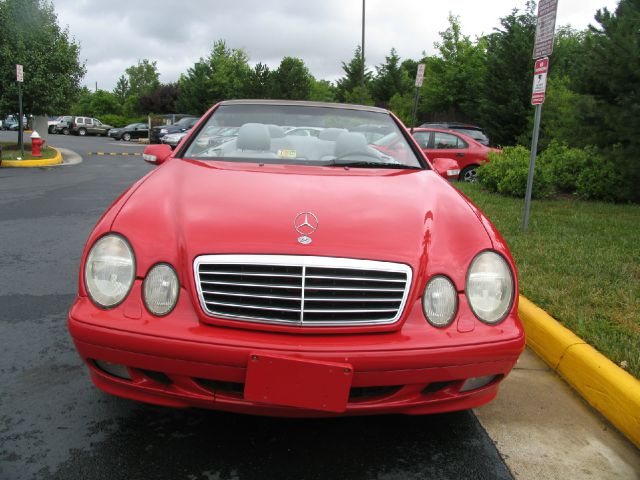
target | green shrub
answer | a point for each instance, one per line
(120, 121)
(507, 172)
(563, 164)
(600, 180)
(585, 172)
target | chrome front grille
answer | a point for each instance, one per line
(300, 290)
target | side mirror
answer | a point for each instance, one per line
(156, 154)
(446, 167)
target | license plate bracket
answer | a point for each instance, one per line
(296, 382)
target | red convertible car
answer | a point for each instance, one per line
(297, 276)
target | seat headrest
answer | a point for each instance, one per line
(276, 131)
(254, 136)
(350, 142)
(331, 133)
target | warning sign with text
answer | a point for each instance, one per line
(539, 81)
(545, 28)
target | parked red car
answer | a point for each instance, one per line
(468, 152)
(297, 276)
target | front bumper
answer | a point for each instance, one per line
(179, 362)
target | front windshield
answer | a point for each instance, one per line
(270, 133)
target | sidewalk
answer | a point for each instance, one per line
(544, 430)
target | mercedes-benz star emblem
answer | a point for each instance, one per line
(305, 224)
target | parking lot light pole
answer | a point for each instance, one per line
(362, 77)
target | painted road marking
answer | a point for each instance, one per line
(125, 154)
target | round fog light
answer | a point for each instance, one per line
(160, 289)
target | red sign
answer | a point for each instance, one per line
(539, 81)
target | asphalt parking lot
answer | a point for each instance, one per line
(55, 425)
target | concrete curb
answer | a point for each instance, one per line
(605, 386)
(46, 162)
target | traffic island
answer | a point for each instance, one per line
(11, 153)
(604, 385)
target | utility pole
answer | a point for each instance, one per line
(362, 76)
(20, 79)
(543, 47)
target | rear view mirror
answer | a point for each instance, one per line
(156, 154)
(446, 167)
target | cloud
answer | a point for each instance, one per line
(116, 34)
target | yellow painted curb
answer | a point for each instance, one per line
(607, 387)
(45, 162)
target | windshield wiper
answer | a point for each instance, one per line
(367, 164)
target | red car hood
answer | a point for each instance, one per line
(188, 208)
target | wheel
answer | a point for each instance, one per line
(65, 131)
(126, 136)
(82, 132)
(52, 129)
(468, 174)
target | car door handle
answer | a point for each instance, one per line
(459, 154)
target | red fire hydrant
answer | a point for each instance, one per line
(36, 144)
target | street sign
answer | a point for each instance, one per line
(420, 75)
(539, 81)
(19, 73)
(545, 28)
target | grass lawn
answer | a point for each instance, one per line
(580, 261)
(11, 151)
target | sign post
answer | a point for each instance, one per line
(20, 79)
(543, 46)
(419, 81)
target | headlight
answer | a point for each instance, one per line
(440, 301)
(109, 271)
(164, 130)
(490, 287)
(160, 289)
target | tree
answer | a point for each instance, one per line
(121, 90)
(161, 100)
(454, 78)
(402, 106)
(390, 79)
(102, 102)
(352, 78)
(230, 72)
(411, 67)
(611, 75)
(291, 80)
(259, 82)
(30, 36)
(322, 91)
(194, 96)
(506, 91)
(224, 74)
(143, 77)
(82, 104)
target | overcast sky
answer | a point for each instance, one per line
(115, 34)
